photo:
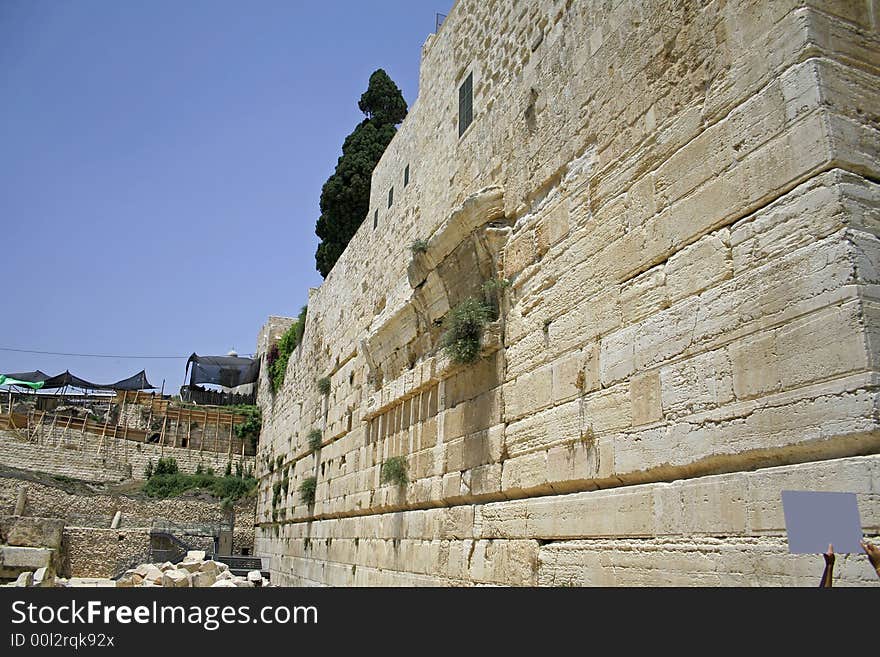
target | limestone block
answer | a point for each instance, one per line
(190, 566)
(221, 583)
(255, 578)
(699, 266)
(644, 391)
(203, 579)
(129, 579)
(25, 531)
(176, 579)
(551, 228)
(568, 377)
(25, 579)
(755, 366)
(210, 567)
(25, 558)
(696, 384)
(195, 555)
(242, 582)
(644, 295)
(151, 574)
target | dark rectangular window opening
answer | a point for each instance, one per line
(390, 197)
(375, 219)
(406, 176)
(465, 104)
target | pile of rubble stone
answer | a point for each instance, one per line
(193, 571)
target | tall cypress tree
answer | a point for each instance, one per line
(345, 197)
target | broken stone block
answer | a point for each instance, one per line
(241, 582)
(209, 567)
(195, 555)
(25, 579)
(203, 580)
(175, 579)
(255, 577)
(152, 574)
(32, 532)
(190, 566)
(44, 577)
(223, 583)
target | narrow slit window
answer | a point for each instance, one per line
(390, 197)
(375, 219)
(465, 104)
(406, 176)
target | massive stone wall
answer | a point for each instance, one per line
(683, 199)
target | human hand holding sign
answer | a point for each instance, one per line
(873, 553)
(829, 567)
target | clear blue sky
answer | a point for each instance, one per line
(161, 164)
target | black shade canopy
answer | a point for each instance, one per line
(226, 371)
(30, 377)
(135, 382)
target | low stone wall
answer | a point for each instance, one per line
(88, 457)
(93, 552)
(98, 510)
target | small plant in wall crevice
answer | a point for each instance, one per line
(315, 440)
(394, 471)
(464, 330)
(324, 385)
(307, 490)
(418, 246)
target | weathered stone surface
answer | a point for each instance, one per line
(255, 578)
(27, 531)
(44, 577)
(203, 579)
(25, 579)
(176, 578)
(16, 559)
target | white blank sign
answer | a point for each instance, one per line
(814, 519)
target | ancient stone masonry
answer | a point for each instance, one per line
(679, 204)
(88, 457)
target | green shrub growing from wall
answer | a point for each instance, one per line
(279, 354)
(307, 490)
(394, 471)
(324, 385)
(464, 330)
(315, 440)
